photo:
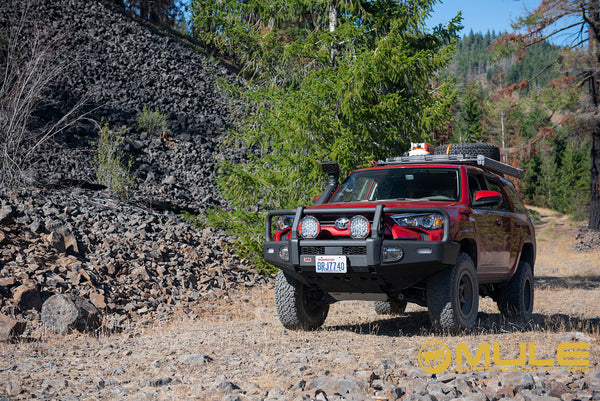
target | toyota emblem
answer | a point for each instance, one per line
(342, 223)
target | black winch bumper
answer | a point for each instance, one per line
(367, 270)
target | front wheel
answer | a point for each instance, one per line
(453, 296)
(299, 307)
(515, 299)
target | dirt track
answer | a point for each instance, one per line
(237, 341)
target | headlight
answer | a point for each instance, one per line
(426, 221)
(284, 222)
(309, 227)
(359, 227)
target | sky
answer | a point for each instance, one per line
(482, 15)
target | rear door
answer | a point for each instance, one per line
(521, 227)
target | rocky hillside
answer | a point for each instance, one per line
(119, 66)
(127, 257)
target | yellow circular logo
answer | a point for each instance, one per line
(435, 357)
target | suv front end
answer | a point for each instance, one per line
(379, 259)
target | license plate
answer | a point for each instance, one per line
(330, 264)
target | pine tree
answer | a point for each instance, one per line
(468, 127)
(356, 93)
(159, 11)
(574, 178)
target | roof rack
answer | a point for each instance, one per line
(482, 161)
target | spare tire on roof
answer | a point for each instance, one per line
(474, 149)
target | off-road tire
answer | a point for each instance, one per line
(296, 304)
(473, 149)
(453, 296)
(389, 308)
(515, 298)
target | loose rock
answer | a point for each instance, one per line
(27, 296)
(63, 313)
(10, 328)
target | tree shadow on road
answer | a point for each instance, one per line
(568, 283)
(418, 324)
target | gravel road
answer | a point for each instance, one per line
(235, 349)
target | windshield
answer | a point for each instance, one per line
(405, 183)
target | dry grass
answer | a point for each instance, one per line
(555, 255)
(249, 346)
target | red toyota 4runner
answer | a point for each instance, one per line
(435, 230)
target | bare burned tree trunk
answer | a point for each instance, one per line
(593, 32)
(333, 23)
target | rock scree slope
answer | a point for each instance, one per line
(121, 65)
(126, 257)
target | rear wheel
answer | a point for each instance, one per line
(453, 296)
(299, 307)
(515, 299)
(389, 307)
(473, 149)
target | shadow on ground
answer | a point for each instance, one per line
(571, 282)
(418, 324)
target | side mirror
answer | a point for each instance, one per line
(487, 198)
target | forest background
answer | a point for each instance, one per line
(358, 81)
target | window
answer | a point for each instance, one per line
(494, 185)
(513, 197)
(476, 183)
(400, 183)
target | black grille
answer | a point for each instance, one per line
(354, 250)
(312, 250)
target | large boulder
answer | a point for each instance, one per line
(66, 312)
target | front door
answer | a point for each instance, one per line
(493, 226)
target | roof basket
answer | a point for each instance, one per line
(484, 162)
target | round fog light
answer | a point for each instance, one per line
(359, 227)
(309, 227)
(284, 254)
(392, 253)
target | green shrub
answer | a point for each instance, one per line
(153, 122)
(112, 168)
